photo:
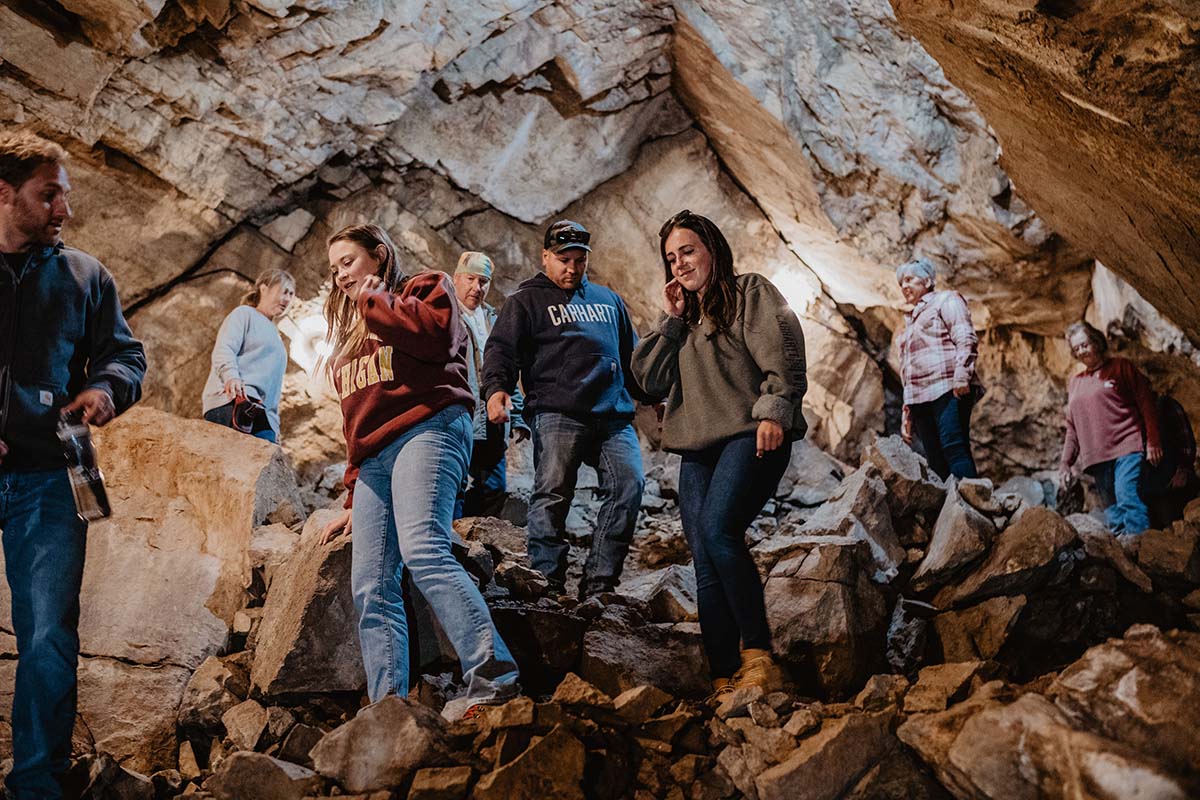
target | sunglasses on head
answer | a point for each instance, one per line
(555, 238)
(673, 221)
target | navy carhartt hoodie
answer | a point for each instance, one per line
(571, 348)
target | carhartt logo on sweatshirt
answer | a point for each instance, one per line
(581, 312)
(365, 371)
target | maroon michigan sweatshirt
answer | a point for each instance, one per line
(412, 366)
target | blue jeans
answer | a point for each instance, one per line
(944, 428)
(721, 490)
(560, 444)
(44, 545)
(1118, 481)
(223, 415)
(401, 517)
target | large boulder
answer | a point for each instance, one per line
(382, 746)
(669, 593)
(165, 574)
(246, 775)
(1139, 690)
(1025, 556)
(1171, 556)
(621, 650)
(961, 535)
(991, 746)
(308, 638)
(979, 631)
(859, 510)
(831, 760)
(827, 617)
(551, 767)
(913, 488)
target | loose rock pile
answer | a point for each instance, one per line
(942, 641)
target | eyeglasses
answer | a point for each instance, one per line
(555, 238)
(673, 221)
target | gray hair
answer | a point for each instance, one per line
(920, 267)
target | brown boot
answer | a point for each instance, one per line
(722, 688)
(758, 669)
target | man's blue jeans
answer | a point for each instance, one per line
(944, 428)
(403, 502)
(1118, 482)
(560, 444)
(486, 495)
(44, 545)
(721, 490)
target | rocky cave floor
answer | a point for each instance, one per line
(941, 641)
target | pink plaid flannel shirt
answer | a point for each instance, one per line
(938, 348)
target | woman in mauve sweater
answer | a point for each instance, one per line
(399, 367)
(1111, 422)
(728, 356)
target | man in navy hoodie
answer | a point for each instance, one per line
(570, 341)
(64, 347)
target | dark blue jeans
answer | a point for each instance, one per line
(944, 428)
(223, 415)
(44, 544)
(560, 444)
(485, 495)
(721, 490)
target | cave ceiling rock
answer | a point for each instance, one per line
(1097, 105)
(862, 154)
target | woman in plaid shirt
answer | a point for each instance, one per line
(938, 348)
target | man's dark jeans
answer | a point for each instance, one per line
(44, 545)
(488, 490)
(944, 428)
(561, 443)
(721, 490)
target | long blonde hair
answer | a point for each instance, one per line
(266, 279)
(347, 329)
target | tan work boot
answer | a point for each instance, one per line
(758, 669)
(722, 688)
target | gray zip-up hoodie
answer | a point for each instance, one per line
(718, 386)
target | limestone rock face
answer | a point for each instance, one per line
(827, 617)
(1105, 148)
(164, 575)
(308, 640)
(1129, 689)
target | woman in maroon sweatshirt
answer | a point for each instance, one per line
(399, 368)
(1111, 422)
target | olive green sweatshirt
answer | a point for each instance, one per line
(718, 386)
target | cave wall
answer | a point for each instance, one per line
(213, 139)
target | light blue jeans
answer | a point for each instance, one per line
(403, 503)
(44, 545)
(1119, 483)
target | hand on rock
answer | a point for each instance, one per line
(336, 526)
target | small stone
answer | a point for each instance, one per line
(737, 702)
(245, 724)
(189, 768)
(881, 691)
(940, 685)
(639, 703)
(666, 728)
(575, 691)
(279, 722)
(802, 722)
(299, 742)
(440, 783)
(207, 697)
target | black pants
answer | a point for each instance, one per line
(944, 428)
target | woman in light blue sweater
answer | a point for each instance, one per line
(249, 359)
(728, 357)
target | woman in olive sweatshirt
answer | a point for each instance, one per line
(399, 367)
(728, 357)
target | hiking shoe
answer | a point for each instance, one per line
(722, 688)
(758, 669)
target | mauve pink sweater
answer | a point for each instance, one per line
(1110, 413)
